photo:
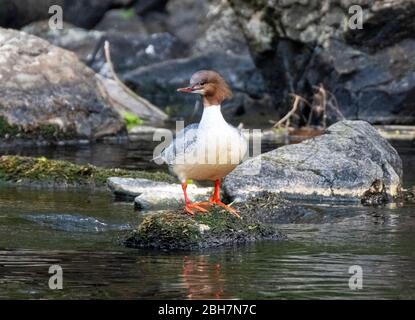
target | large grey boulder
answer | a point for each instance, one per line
(349, 161)
(47, 91)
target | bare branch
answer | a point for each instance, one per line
(294, 108)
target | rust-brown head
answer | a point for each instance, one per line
(210, 85)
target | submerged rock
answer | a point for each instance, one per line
(178, 231)
(48, 93)
(74, 223)
(342, 164)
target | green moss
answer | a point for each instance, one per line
(131, 120)
(127, 14)
(16, 168)
(167, 230)
(176, 230)
(43, 131)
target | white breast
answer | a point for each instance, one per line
(218, 149)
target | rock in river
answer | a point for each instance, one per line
(171, 228)
(47, 92)
(175, 230)
(345, 162)
(150, 194)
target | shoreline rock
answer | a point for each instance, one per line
(48, 94)
(41, 172)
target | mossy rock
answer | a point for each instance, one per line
(47, 132)
(178, 231)
(59, 173)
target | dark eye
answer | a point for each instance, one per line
(202, 83)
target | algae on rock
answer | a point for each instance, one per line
(58, 173)
(175, 230)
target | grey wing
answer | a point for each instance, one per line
(183, 143)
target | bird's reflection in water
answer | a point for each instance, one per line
(202, 278)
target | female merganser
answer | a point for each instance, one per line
(208, 150)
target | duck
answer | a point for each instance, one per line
(208, 150)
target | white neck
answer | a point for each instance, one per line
(212, 116)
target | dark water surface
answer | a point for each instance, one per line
(80, 231)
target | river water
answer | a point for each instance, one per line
(80, 231)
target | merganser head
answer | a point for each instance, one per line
(210, 85)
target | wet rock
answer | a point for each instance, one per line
(158, 84)
(177, 231)
(74, 223)
(270, 207)
(47, 92)
(300, 44)
(376, 195)
(265, 206)
(155, 195)
(342, 164)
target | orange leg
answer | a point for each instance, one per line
(189, 207)
(215, 199)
